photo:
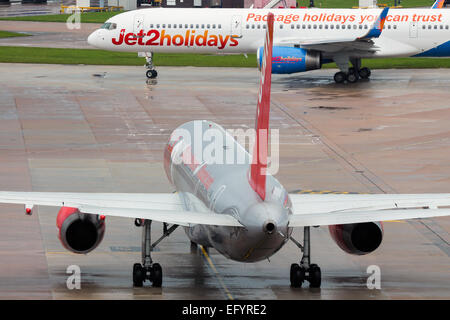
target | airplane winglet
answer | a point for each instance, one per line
(377, 27)
(438, 4)
(259, 162)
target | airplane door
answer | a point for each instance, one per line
(138, 23)
(236, 27)
(413, 29)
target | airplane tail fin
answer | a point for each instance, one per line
(438, 4)
(259, 162)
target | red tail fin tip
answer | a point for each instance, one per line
(259, 163)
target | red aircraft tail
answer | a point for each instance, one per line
(259, 163)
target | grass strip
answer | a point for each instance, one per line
(10, 54)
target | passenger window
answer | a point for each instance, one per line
(197, 26)
(395, 26)
(247, 26)
(219, 26)
(180, 26)
(151, 25)
(292, 26)
(337, 26)
(169, 25)
(258, 26)
(355, 26)
(435, 26)
(309, 26)
(203, 26)
(441, 27)
(281, 26)
(365, 26)
(208, 26)
(446, 27)
(326, 26)
(429, 27)
(164, 25)
(192, 26)
(264, 26)
(389, 26)
(315, 26)
(304, 26)
(423, 27)
(349, 27)
(331, 26)
(320, 26)
(253, 26)
(214, 26)
(157, 26)
(186, 26)
(298, 26)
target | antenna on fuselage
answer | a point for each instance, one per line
(258, 168)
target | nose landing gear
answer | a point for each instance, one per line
(305, 270)
(151, 73)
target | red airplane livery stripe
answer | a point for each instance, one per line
(259, 163)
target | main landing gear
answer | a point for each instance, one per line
(149, 270)
(305, 270)
(151, 73)
(352, 74)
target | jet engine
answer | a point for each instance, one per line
(79, 232)
(357, 238)
(291, 60)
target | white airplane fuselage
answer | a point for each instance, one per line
(407, 32)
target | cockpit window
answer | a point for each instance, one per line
(109, 26)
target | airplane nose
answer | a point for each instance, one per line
(92, 37)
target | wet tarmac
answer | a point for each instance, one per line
(103, 128)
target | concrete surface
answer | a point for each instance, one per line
(103, 128)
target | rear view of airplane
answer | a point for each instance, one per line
(236, 207)
(304, 39)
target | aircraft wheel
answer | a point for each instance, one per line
(194, 247)
(352, 77)
(364, 73)
(339, 77)
(151, 74)
(156, 275)
(297, 275)
(138, 275)
(315, 276)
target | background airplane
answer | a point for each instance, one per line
(236, 207)
(303, 39)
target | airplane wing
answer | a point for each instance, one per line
(163, 207)
(330, 209)
(363, 43)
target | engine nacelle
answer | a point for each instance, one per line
(291, 60)
(357, 238)
(79, 232)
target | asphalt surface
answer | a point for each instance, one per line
(103, 129)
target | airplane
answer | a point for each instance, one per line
(305, 39)
(236, 207)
